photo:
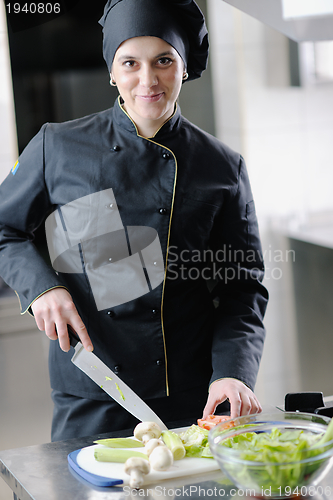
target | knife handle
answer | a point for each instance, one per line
(73, 336)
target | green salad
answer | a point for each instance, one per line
(275, 459)
(195, 440)
(274, 446)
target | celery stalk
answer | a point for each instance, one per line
(327, 436)
(119, 455)
(120, 443)
(174, 443)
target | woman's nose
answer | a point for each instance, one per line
(148, 77)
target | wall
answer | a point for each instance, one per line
(284, 132)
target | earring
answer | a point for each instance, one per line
(185, 76)
(112, 83)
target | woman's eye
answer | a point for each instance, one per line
(164, 61)
(129, 64)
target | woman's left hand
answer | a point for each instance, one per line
(242, 400)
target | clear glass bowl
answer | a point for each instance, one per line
(281, 475)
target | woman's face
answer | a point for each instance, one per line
(148, 73)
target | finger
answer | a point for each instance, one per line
(246, 406)
(256, 406)
(78, 326)
(63, 336)
(235, 405)
(210, 407)
(212, 403)
(40, 324)
(50, 330)
(39, 318)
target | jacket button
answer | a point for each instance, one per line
(155, 311)
(163, 211)
(166, 156)
(117, 369)
(115, 148)
(159, 362)
(111, 314)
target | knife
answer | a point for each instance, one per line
(107, 380)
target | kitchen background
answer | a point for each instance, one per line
(266, 96)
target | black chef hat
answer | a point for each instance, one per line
(179, 22)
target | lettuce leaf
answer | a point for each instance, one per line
(195, 440)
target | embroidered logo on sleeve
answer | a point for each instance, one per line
(15, 167)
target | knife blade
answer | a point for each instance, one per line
(107, 380)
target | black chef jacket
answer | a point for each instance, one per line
(204, 321)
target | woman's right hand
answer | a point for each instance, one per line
(53, 311)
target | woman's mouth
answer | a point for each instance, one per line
(151, 98)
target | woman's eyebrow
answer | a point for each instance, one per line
(163, 54)
(126, 57)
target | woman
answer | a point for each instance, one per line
(152, 236)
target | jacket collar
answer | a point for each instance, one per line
(125, 121)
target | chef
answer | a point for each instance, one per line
(155, 256)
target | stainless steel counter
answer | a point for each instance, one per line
(42, 473)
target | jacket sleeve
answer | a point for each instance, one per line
(24, 204)
(239, 333)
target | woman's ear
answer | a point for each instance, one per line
(185, 73)
(112, 81)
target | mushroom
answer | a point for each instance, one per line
(151, 445)
(136, 468)
(161, 458)
(147, 430)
